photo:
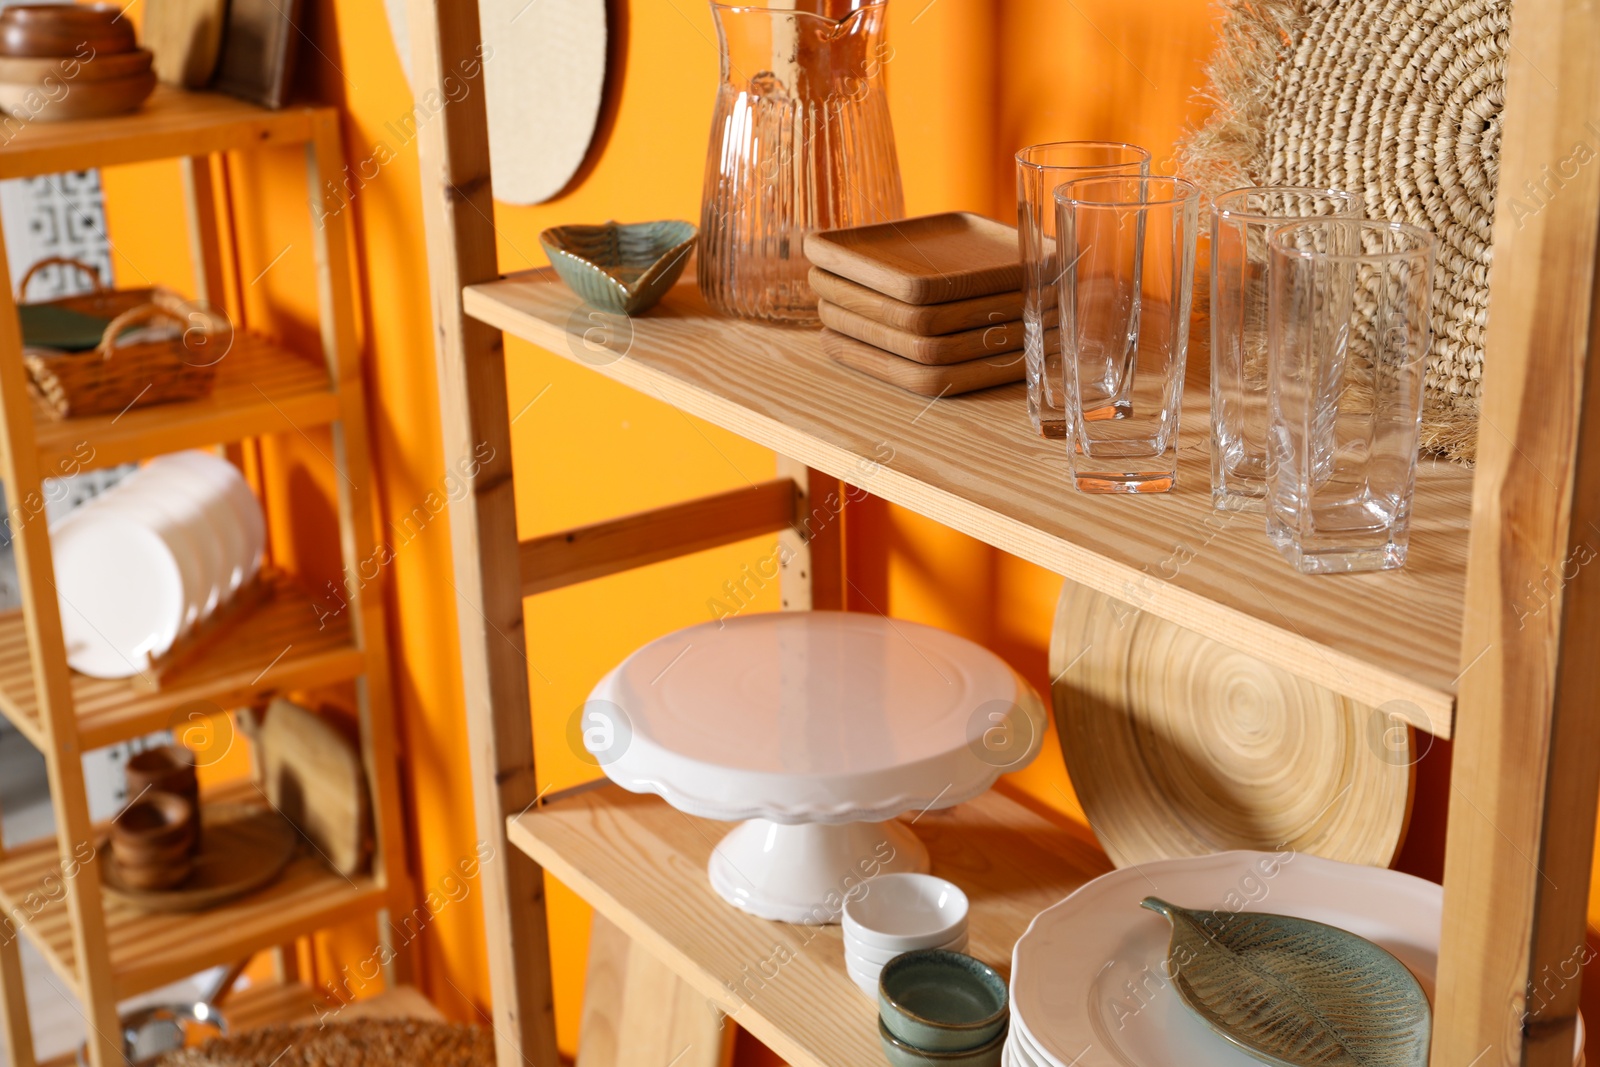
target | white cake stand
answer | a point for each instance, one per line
(815, 729)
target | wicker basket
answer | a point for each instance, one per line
(115, 376)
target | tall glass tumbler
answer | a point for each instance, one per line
(1349, 343)
(1127, 278)
(1241, 223)
(1041, 169)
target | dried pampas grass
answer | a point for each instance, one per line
(1397, 101)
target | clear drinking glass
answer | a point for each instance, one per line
(1349, 342)
(800, 141)
(1241, 223)
(1041, 168)
(1127, 253)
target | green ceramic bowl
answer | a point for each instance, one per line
(937, 1000)
(901, 1054)
(620, 267)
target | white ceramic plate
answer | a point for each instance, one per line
(185, 509)
(224, 481)
(1087, 980)
(120, 590)
(814, 717)
(209, 513)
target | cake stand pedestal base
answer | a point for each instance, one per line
(803, 873)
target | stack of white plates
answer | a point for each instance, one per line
(146, 561)
(1089, 984)
(899, 913)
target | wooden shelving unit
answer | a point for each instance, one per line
(289, 641)
(1487, 636)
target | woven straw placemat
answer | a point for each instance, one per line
(1398, 101)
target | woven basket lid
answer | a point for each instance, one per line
(1396, 101)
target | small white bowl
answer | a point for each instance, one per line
(862, 953)
(906, 911)
(865, 978)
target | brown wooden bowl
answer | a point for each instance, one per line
(131, 854)
(35, 69)
(80, 30)
(156, 876)
(67, 101)
(156, 821)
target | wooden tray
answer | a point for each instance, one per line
(924, 320)
(994, 340)
(927, 260)
(242, 848)
(950, 379)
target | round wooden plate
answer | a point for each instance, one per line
(242, 848)
(1180, 746)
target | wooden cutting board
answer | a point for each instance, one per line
(925, 320)
(186, 37)
(313, 775)
(927, 260)
(951, 379)
(961, 347)
(1178, 745)
(545, 78)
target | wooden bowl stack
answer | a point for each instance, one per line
(930, 304)
(152, 841)
(60, 62)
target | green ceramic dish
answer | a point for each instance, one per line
(901, 1054)
(937, 1000)
(1295, 992)
(620, 267)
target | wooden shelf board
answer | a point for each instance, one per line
(261, 388)
(642, 864)
(172, 123)
(973, 463)
(149, 950)
(280, 645)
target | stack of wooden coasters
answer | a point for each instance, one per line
(931, 304)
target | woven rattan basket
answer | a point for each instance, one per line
(360, 1043)
(118, 375)
(1398, 102)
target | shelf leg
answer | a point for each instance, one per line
(13, 998)
(79, 878)
(658, 1019)
(458, 208)
(205, 244)
(1526, 770)
(812, 551)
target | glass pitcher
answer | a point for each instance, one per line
(800, 141)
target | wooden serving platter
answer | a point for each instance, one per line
(961, 347)
(242, 848)
(924, 320)
(927, 260)
(950, 379)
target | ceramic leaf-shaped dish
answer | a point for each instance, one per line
(620, 267)
(1294, 992)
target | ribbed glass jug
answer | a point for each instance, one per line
(800, 141)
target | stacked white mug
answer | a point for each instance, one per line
(149, 559)
(898, 913)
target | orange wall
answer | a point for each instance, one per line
(970, 81)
